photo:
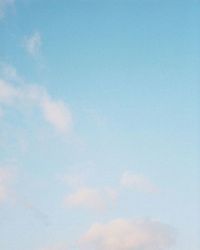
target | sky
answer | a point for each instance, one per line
(99, 125)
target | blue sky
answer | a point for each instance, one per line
(99, 125)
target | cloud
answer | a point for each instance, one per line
(91, 198)
(7, 92)
(101, 199)
(6, 176)
(138, 182)
(4, 4)
(10, 73)
(56, 113)
(121, 234)
(33, 43)
(73, 180)
(14, 91)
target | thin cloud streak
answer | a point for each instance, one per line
(55, 112)
(33, 43)
(138, 182)
(4, 4)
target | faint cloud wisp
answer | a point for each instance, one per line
(14, 91)
(138, 182)
(4, 4)
(121, 234)
(33, 43)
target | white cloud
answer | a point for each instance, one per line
(6, 176)
(33, 43)
(3, 6)
(91, 198)
(123, 234)
(138, 182)
(14, 91)
(56, 113)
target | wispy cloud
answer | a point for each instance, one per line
(32, 43)
(73, 180)
(56, 113)
(100, 199)
(121, 234)
(4, 4)
(138, 182)
(91, 198)
(9, 73)
(14, 90)
(8, 93)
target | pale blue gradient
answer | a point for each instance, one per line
(129, 71)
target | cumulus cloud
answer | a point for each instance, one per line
(6, 176)
(4, 4)
(138, 182)
(14, 90)
(91, 198)
(33, 43)
(121, 234)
